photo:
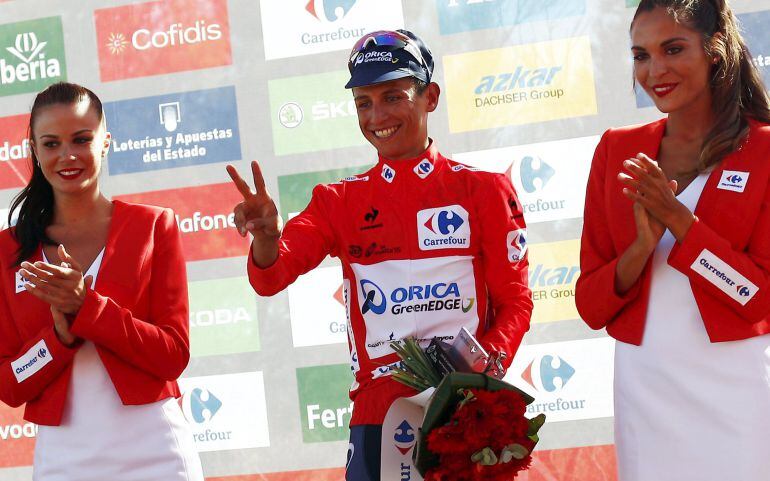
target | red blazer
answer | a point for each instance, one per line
(725, 254)
(137, 317)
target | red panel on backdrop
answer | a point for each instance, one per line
(17, 438)
(204, 215)
(592, 463)
(162, 37)
(14, 151)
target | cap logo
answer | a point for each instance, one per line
(369, 57)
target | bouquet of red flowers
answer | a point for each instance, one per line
(474, 426)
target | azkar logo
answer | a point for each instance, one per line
(329, 11)
(404, 437)
(542, 374)
(443, 228)
(416, 298)
(521, 85)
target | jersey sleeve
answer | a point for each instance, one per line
(28, 366)
(595, 297)
(739, 279)
(305, 241)
(159, 344)
(505, 261)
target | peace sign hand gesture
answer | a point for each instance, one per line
(258, 215)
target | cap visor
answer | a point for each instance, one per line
(363, 77)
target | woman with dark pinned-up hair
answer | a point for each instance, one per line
(93, 311)
(675, 253)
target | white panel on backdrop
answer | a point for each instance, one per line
(226, 411)
(550, 177)
(317, 308)
(569, 380)
(292, 28)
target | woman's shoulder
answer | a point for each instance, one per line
(130, 209)
(634, 131)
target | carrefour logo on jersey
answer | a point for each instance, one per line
(31, 55)
(205, 218)
(443, 228)
(226, 411)
(549, 80)
(313, 112)
(162, 37)
(754, 30)
(302, 27)
(173, 130)
(465, 15)
(14, 151)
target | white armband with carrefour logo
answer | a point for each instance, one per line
(724, 277)
(31, 361)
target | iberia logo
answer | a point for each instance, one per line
(205, 218)
(31, 55)
(14, 151)
(162, 37)
(329, 10)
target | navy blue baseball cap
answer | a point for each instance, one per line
(388, 55)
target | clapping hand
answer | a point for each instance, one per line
(62, 286)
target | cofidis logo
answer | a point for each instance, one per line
(14, 151)
(31, 55)
(520, 84)
(303, 27)
(173, 130)
(226, 411)
(464, 15)
(205, 218)
(162, 37)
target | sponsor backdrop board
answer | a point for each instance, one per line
(192, 85)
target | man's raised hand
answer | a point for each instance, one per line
(257, 212)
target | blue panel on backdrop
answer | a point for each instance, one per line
(465, 15)
(754, 26)
(173, 130)
(642, 99)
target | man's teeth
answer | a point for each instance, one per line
(385, 132)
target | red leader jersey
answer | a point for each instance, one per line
(427, 246)
(137, 317)
(725, 254)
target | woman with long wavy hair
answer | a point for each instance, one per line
(93, 311)
(675, 253)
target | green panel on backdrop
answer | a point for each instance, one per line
(223, 317)
(632, 3)
(325, 407)
(31, 55)
(313, 112)
(294, 190)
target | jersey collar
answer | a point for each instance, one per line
(420, 167)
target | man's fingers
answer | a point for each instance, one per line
(240, 184)
(259, 180)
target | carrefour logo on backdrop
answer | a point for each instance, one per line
(31, 55)
(200, 405)
(303, 27)
(549, 375)
(329, 10)
(535, 173)
(443, 228)
(162, 37)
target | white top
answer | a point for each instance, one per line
(101, 439)
(686, 408)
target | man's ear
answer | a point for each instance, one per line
(432, 94)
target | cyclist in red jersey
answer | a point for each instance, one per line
(427, 245)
